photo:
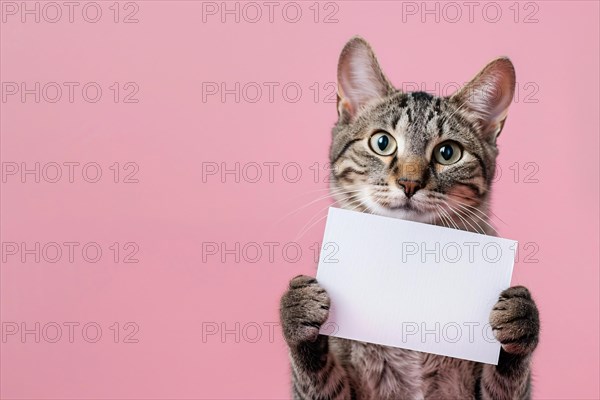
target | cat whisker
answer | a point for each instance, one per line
(453, 211)
(448, 216)
(359, 203)
(310, 224)
(321, 198)
(306, 229)
(481, 212)
(329, 189)
(454, 200)
(441, 219)
(477, 216)
(461, 214)
(470, 217)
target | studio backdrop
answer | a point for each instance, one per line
(166, 172)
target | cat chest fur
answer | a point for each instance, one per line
(382, 372)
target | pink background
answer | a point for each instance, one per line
(171, 293)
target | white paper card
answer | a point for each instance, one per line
(412, 285)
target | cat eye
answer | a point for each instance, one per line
(382, 143)
(447, 153)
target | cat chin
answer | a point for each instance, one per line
(401, 213)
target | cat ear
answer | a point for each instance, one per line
(360, 78)
(488, 96)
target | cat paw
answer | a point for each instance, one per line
(515, 321)
(304, 308)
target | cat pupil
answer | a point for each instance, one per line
(383, 142)
(446, 152)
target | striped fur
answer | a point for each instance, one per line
(411, 183)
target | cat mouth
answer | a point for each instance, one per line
(405, 206)
(408, 210)
(408, 206)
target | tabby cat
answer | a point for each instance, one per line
(424, 158)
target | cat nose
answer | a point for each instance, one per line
(410, 186)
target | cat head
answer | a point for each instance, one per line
(414, 155)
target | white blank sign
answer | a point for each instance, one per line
(412, 285)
